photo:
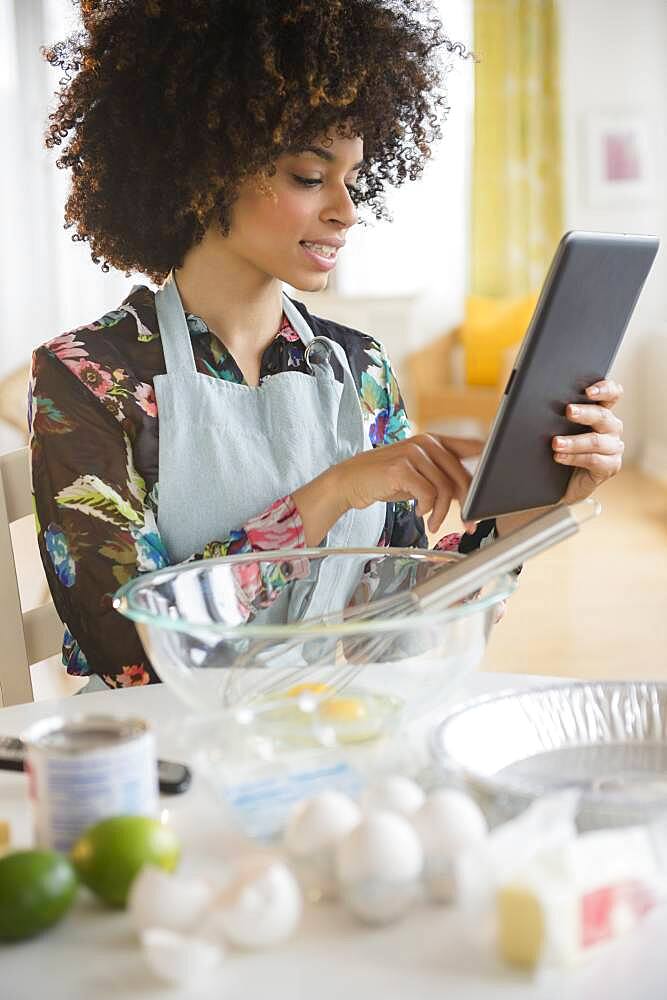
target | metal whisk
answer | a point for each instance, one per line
(443, 589)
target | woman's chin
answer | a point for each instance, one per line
(309, 283)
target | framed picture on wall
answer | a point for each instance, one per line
(619, 161)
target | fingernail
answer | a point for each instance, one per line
(574, 411)
(594, 391)
(561, 442)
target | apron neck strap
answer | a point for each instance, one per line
(174, 331)
(297, 321)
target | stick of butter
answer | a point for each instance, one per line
(521, 925)
(578, 895)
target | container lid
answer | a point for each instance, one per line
(83, 733)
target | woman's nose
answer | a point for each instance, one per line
(342, 210)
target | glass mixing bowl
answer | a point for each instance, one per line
(310, 646)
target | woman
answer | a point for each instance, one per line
(222, 149)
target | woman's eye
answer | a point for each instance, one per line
(312, 181)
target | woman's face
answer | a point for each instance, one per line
(296, 232)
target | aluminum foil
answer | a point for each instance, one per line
(608, 739)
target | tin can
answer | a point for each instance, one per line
(85, 769)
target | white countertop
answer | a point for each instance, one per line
(93, 953)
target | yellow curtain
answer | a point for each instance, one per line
(516, 188)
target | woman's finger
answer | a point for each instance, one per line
(433, 489)
(602, 444)
(606, 392)
(462, 447)
(603, 466)
(449, 464)
(598, 417)
(499, 612)
(443, 490)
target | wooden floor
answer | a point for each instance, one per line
(594, 606)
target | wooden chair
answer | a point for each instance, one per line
(35, 635)
(14, 398)
(436, 394)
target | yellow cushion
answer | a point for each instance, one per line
(489, 328)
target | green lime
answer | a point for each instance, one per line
(36, 890)
(111, 853)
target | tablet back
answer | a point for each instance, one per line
(588, 297)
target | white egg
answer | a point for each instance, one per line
(393, 792)
(178, 958)
(378, 866)
(446, 824)
(157, 899)
(312, 832)
(261, 907)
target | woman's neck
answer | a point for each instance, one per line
(241, 305)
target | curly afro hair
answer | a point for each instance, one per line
(171, 105)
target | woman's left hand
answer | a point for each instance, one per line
(595, 455)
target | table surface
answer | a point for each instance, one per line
(93, 952)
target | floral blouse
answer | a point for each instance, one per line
(94, 428)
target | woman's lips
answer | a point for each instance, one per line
(323, 263)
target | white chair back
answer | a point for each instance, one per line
(36, 635)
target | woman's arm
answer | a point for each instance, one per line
(406, 530)
(96, 524)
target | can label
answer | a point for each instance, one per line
(87, 769)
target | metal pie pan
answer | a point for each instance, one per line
(609, 739)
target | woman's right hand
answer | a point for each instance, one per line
(426, 467)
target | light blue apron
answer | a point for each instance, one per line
(227, 451)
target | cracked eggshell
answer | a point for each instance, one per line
(395, 793)
(262, 905)
(175, 903)
(378, 865)
(447, 823)
(179, 958)
(312, 832)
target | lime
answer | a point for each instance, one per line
(111, 853)
(36, 890)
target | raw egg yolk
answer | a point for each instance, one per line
(343, 709)
(300, 689)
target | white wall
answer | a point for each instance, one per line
(613, 60)
(405, 282)
(48, 282)
(425, 246)
(422, 255)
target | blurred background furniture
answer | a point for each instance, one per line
(461, 375)
(14, 407)
(32, 637)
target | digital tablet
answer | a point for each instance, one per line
(584, 307)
